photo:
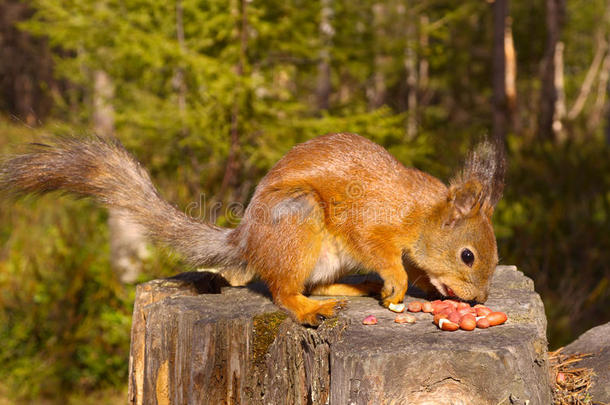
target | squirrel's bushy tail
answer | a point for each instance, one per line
(102, 168)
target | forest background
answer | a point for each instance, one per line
(210, 94)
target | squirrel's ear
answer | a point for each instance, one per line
(484, 172)
(464, 200)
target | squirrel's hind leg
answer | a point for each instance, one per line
(287, 270)
(285, 251)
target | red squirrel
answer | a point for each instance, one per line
(330, 205)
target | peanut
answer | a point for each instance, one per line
(414, 306)
(453, 303)
(483, 311)
(438, 317)
(464, 311)
(396, 307)
(468, 322)
(483, 323)
(463, 305)
(404, 318)
(370, 320)
(454, 317)
(439, 307)
(496, 318)
(427, 307)
(446, 324)
(446, 310)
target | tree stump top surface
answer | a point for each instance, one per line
(511, 292)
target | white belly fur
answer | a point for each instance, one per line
(333, 262)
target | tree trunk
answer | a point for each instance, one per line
(103, 112)
(600, 106)
(559, 112)
(600, 99)
(510, 68)
(127, 241)
(326, 32)
(424, 43)
(500, 14)
(410, 63)
(194, 342)
(424, 65)
(229, 181)
(376, 91)
(587, 84)
(179, 84)
(26, 66)
(548, 97)
(608, 114)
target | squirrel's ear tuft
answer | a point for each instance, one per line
(485, 166)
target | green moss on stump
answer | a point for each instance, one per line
(331, 323)
(266, 327)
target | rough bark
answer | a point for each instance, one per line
(595, 341)
(237, 347)
(187, 284)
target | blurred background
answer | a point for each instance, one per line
(210, 94)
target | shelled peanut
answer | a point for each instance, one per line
(452, 315)
(405, 318)
(370, 320)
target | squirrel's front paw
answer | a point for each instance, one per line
(393, 292)
(391, 295)
(394, 299)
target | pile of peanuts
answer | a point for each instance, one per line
(449, 315)
(452, 315)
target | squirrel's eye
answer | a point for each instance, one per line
(467, 257)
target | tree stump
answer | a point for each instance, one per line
(595, 341)
(195, 341)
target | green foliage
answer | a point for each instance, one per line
(64, 318)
